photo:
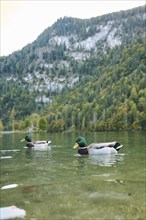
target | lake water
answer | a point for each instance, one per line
(60, 185)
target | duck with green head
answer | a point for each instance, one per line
(96, 148)
(37, 145)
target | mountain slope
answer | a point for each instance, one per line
(116, 100)
(70, 53)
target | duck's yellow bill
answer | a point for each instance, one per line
(75, 146)
(22, 140)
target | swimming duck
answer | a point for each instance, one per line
(96, 148)
(36, 145)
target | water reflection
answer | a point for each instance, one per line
(101, 160)
(74, 183)
(31, 154)
(106, 160)
(8, 154)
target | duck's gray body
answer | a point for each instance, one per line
(102, 148)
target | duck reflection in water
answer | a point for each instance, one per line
(106, 160)
(31, 154)
(82, 162)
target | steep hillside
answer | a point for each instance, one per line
(70, 54)
(115, 100)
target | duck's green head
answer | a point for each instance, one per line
(27, 138)
(80, 142)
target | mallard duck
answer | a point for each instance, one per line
(96, 148)
(36, 145)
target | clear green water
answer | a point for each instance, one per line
(60, 185)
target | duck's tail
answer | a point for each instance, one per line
(117, 146)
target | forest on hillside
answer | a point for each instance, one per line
(113, 99)
(79, 74)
